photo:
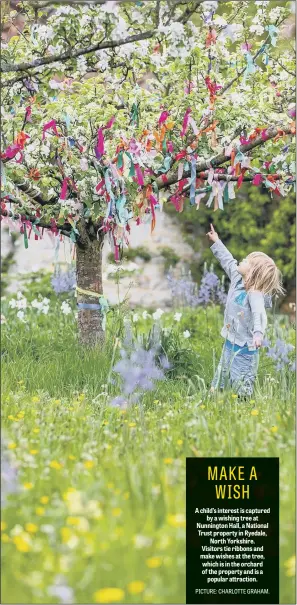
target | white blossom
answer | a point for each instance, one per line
(186, 334)
(65, 308)
(135, 317)
(158, 314)
(177, 316)
(21, 315)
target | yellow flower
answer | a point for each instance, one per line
(168, 460)
(73, 520)
(179, 442)
(110, 485)
(44, 499)
(40, 511)
(202, 406)
(70, 457)
(31, 528)
(33, 452)
(105, 422)
(3, 525)
(116, 512)
(154, 562)
(35, 399)
(273, 429)
(136, 587)
(10, 417)
(11, 446)
(132, 424)
(57, 401)
(5, 538)
(21, 414)
(252, 401)
(109, 595)
(22, 542)
(123, 411)
(290, 564)
(234, 396)
(28, 485)
(81, 397)
(126, 495)
(89, 463)
(255, 412)
(176, 520)
(66, 534)
(36, 430)
(56, 465)
(156, 401)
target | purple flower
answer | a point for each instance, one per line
(185, 291)
(9, 475)
(280, 353)
(138, 371)
(63, 281)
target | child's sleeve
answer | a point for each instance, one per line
(225, 258)
(257, 304)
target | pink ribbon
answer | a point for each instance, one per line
(163, 117)
(185, 122)
(139, 174)
(53, 125)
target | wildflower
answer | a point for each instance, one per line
(158, 314)
(136, 587)
(176, 520)
(254, 412)
(35, 399)
(61, 590)
(65, 308)
(22, 542)
(234, 396)
(116, 512)
(3, 319)
(145, 315)
(89, 463)
(36, 430)
(56, 465)
(71, 457)
(141, 541)
(177, 316)
(3, 525)
(21, 315)
(31, 528)
(179, 442)
(33, 452)
(28, 485)
(290, 564)
(40, 510)
(154, 562)
(135, 317)
(109, 595)
(186, 334)
(64, 281)
(57, 401)
(168, 460)
(5, 538)
(274, 429)
(11, 446)
(132, 424)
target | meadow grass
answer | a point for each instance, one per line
(100, 506)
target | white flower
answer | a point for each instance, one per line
(3, 319)
(21, 315)
(21, 303)
(142, 541)
(186, 334)
(135, 317)
(177, 316)
(145, 315)
(12, 303)
(65, 308)
(158, 314)
(257, 29)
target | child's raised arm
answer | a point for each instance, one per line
(225, 258)
(257, 304)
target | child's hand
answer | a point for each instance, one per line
(257, 340)
(212, 234)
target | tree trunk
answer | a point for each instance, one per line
(89, 277)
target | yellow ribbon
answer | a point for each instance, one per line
(88, 292)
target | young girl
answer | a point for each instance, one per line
(253, 282)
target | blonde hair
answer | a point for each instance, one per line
(263, 275)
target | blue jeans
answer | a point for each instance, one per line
(237, 368)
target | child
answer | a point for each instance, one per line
(252, 281)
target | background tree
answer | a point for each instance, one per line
(86, 147)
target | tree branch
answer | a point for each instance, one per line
(222, 158)
(71, 54)
(65, 228)
(32, 193)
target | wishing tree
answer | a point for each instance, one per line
(107, 105)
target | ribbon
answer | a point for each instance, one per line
(52, 125)
(272, 32)
(193, 180)
(185, 122)
(99, 149)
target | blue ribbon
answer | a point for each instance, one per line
(91, 306)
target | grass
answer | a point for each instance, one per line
(101, 496)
